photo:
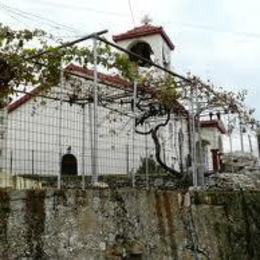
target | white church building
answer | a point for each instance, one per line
(42, 136)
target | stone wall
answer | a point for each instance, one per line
(18, 182)
(129, 224)
(240, 162)
(160, 181)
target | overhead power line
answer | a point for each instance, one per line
(29, 16)
(124, 15)
(13, 17)
(68, 44)
(32, 17)
(80, 7)
(131, 12)
(214, 29)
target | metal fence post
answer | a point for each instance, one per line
(230, 129)
(11, 163)
(83, 145)
(32, 162)
(146, 159)
(194, 154)
(250, 143)
(127, 159)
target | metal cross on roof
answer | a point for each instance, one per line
(146, 20)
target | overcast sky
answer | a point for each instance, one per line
(217, 40)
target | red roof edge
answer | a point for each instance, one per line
(22, 100)
(144, 30)
(113, 81)
(214, 124)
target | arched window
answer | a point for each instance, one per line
(144, 50)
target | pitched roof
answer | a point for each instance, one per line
(113, 81)
(144, 30)
(108, 80)
(214, 124)
(22, 100)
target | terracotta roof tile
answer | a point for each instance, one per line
(214, 124)
(22, 100)
(114, 81)
(108, 80)
(144, 30)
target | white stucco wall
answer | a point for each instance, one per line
(212, 135)
(37, 137)
(32, 139)
(157, 44)
(172, 145)
(249, 137)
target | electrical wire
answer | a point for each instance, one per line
(82, 8)
(29, 16)
(20, 21)
(131, 12)
(213, 29)
(15, 18)
(55, 36)
(123, 15)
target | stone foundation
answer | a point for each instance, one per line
(129, 224)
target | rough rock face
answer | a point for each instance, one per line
(129, 224)
(236, 181)
(239, 162)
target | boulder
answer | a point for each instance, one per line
(238, 162)
(245, 180)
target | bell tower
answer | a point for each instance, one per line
(150, 42)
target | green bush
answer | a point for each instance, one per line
(153, 167)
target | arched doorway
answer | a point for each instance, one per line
(69, 165)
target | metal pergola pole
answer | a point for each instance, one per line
(241, 136)
(193, 131)
(90, 111)
(60, 127)
(141, 58)
(95, 116)
(201, 166)
(67, 44)
(133, 136)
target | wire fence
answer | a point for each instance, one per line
(86, 129)
(46, 134)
